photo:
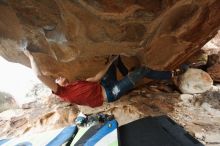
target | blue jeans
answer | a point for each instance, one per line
(115, 89)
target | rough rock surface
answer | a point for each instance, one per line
(40, 117)
(213, 46)
(213, 49)
(214, 66)
(68, 37)
(7, 101)
(214, 72)
(200, 115)
(195, 81)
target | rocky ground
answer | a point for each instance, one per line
(199, 114)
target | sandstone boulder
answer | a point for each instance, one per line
(195, 81)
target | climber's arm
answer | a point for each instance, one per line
(48, 81)
(101, 73)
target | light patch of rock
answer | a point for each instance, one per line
(7, 102)
(195, 81)
(186, 98)
(213, 138)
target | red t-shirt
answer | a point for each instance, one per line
(82, 93)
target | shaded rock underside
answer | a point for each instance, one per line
(73, 37)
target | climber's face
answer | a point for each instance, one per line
(62, 81)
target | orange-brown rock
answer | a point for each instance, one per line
(73, 38)
(214, 72)
(213, 65)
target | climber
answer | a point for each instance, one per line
(102, 87)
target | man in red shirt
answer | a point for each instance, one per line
(104, 86)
